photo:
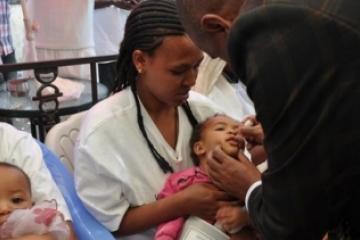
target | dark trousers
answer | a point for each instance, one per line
(107, 74)
(10, 58)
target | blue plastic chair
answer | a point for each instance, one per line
(85, 225)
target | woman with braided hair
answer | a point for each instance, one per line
(131, 141)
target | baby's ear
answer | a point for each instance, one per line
(199, 148)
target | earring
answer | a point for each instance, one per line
(139, 70)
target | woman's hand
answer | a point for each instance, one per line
(203, 200)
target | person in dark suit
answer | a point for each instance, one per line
(300, 61)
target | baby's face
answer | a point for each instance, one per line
(15, 192)
(223, 131)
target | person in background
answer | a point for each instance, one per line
(7, 51)
(109, 23)
(59, 29)
(216, 81)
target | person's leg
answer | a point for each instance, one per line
(10, 58)
(107, 74)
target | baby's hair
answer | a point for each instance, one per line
(8, 165)
(145, 29)
(197, 135)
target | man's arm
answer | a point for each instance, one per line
(123, 4)
(287, 55)
(103, 3)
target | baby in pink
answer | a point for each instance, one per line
(18, 216)
(218, 130)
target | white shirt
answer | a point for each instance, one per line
(114, 168)
(232, 99)
(63, 24)
(20, 149)
(109, 25)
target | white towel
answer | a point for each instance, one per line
(71, 89)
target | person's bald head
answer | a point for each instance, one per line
(208, 22)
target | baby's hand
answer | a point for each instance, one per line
(232, 218)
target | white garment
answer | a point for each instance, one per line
(244, 98)
(63, 24)
(76, 71)
(20, 149)
(109, 25)
(114, 168)
(65, 31)
(212, 83)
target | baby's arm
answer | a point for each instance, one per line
(232, 218)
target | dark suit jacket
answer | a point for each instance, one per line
(301, 65)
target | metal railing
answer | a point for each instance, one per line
(46, 72)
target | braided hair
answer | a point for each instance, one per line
(146, 27)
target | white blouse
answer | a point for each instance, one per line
(114, 168)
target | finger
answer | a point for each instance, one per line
(221, 156)
(250, 117)
(213, 164)
(222, 198)
(242, 157)
(249, 146)
(134, 2)
(214, 180)
(248, 131)
(220, 214)
(217, 154)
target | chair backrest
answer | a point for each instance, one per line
(85, 225)
(61, 139)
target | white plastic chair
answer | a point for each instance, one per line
(62, 137)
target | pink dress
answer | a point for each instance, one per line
(175, 183)
(40, 219)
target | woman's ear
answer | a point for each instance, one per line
(199, 148)
(213, 23)
(139, 60)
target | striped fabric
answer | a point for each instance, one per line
(6, 46)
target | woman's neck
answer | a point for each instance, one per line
(163, 115)
(153, 106)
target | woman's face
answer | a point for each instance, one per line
(168, 75)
